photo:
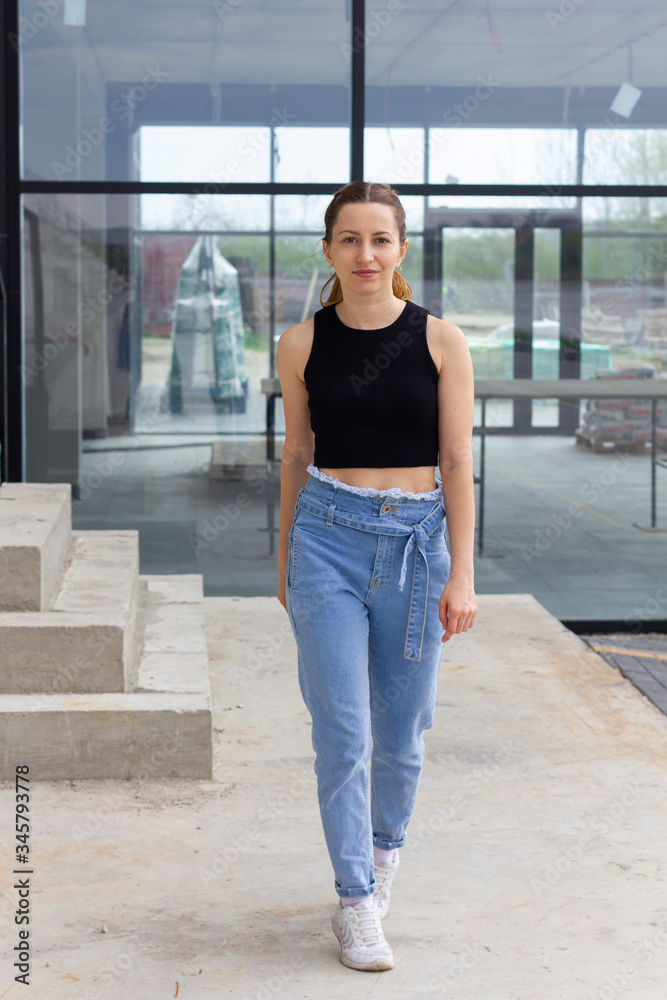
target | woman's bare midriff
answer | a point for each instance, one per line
(420, 479)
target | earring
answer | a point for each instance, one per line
(330, 271)
(399, 269)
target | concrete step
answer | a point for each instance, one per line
(88, 641)
(173, 651)
(35, 527)
(115, 735)
(160, 726)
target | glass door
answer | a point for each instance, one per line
(512, 282)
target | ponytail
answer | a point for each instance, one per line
(336, 293)
(400, 287)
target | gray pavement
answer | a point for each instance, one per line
(640, 658)
(534, 868)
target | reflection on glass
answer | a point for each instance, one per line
(394, 155)
(413, 265)
(547, 328)
(621, 154)
(625, 311)
(218, 154)
(301, 271)
(624, 282)
(478, 276)
(493, 202)
(207, 360)
(229, 69)
(502, 156)
(478, 295)
(209, 212)
(75, 333)
(546, 321)
(312, 155)
(414, 212)
(136, 333)
(301, 213)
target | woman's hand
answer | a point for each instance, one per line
(457, 607)
(281, 592)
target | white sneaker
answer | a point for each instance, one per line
(384, 875)
(362, 943)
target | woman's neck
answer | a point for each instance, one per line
(361, 314)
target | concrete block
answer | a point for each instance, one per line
(175, 631)
(87, 641)
(106, 735)
(174, 654)
(61, 651)
(103, 576)
(174, 672)
(35, 526)
(183, 588)
(75, 616)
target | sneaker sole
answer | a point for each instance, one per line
(379, 965)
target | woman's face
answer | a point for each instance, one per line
(364, 247)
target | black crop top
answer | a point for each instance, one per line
(372, 394)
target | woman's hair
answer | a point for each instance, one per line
(364, 193)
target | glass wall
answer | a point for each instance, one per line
(145, 348)
(198, 146)
(219, 86)
(568, 515)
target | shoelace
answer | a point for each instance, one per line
(384, 875)
(369, 926)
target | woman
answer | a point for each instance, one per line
(376, 392)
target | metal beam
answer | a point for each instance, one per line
(357, 109)
(10, 251)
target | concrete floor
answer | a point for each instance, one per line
(534, 869)
(595, 565)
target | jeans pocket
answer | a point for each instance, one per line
(290, 559)
(292, 549)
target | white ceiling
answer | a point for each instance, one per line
(425, 42)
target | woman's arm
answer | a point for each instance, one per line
(299, 446)
(456, 400)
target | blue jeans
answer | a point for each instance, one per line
(363, 579)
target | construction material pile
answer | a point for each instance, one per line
(623, 420)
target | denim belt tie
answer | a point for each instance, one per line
(418, 538)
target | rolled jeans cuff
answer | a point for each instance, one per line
(388, 845)
(359, 891)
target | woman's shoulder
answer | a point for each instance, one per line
(305, 327)
(446, 338)
(440, 327)
(434, 321)
(294, 347)
(295, 334)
